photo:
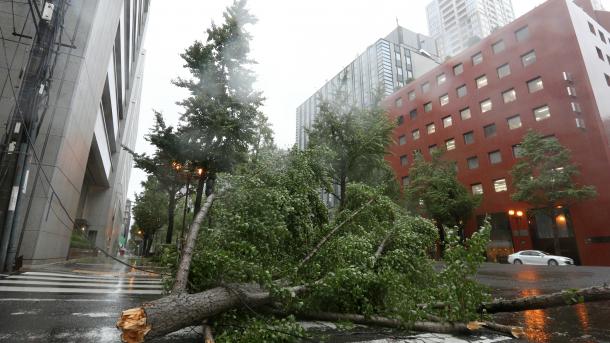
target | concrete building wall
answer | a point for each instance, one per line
(93, 110)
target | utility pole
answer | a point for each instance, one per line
(18, 145)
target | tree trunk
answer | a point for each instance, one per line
(562, 298)
(170, 215)
(172, 313)
(342, 191)
(199, 194)
(189, 246)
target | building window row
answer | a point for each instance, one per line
(601, 34)
(499, 185)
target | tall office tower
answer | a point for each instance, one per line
(479, 104)
(385, 66)
(458, 24)
(70, 78)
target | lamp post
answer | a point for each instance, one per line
(518, 215)
(187, 171)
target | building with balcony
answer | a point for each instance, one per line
(548, 71)
(71, 78)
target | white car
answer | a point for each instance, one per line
(538, 257)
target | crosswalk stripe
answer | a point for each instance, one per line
(90, 284)
(50, 278)
(85, 276)
(77, 290)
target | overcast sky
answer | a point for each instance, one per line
(298, 46)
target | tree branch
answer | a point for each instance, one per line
(331, 233)
(185, 262)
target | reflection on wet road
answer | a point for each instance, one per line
(582, 323)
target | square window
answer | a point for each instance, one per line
(571, 91)
(481, 81)
(465, 113)
(402, 140)
(592, 28)
(602, 37)
(473, 162)
(503, 71)
(431, 128)
(425, 87)
(600, 54)
(428, 107)
(462, 91)
(576, 107)
(469, 137)
(405, 181)
(517, 152)
(458, 69)
(404, 160)
(447, 121)
(415, 134)
(608, 58)
(542, 113)
(535, 85)
(398, 102)
(607, 79)
(440, 79)
(522, 34)
(477, 189)
(411, 95)
(489, 130)
(477, 59)
(413, 113)
(444, 99)
(498, 47)
(486, 105)
(529, 58)
(495, 157)
(580, 123)
(500, 185)
(450, 144)
(432, 149)
(514, 122)
(509, 96)
(400, 120)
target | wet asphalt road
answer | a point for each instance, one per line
(81, 316)
(582, 323)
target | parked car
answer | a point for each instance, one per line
(538, 257)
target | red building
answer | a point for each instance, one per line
(549, 71)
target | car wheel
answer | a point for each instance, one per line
(517, 261)
(553, 263)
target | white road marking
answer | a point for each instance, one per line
(88, 277)
(95, 314)
(77, 290)
(52, 299)
(50, 278)
(93, 284)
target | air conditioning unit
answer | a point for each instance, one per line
(567, 76)
(47, 11)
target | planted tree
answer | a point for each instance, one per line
(149, 211)
(357, 140)
(162, 165)
(435, 192)
(222, 121)
(544, 178)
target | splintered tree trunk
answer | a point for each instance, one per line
(187, 255)
(169, 314)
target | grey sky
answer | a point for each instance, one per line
(298, 45)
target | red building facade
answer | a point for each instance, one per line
(548, 71)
